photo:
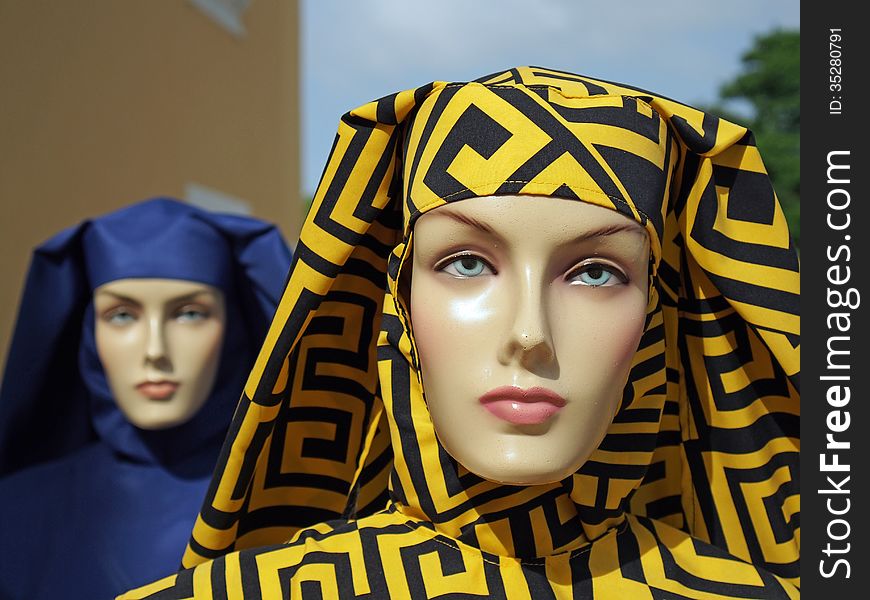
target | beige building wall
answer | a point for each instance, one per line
(107, 102)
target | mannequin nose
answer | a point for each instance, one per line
(529, 338)
(155, 345)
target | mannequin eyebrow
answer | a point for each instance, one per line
(192, 296)
(608, 230)
(603, 231)
(466, 220)
(182, 298)
(119, 297)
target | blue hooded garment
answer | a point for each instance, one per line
(91, 505)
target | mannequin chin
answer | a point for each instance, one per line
(159, 341)
(526, 312)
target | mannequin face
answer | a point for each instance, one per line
(526, 313)
(160, 343)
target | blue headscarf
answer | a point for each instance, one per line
(61, 432)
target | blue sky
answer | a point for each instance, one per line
(354, 51)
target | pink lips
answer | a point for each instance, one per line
(157, 390)
(522, 407)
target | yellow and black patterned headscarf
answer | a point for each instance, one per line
(692, 493)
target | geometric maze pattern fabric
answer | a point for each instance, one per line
(693, 493)
(382, 557)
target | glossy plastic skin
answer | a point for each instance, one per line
(508, 295)
(159, 341)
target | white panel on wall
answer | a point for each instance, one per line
(226, 13)
(214, 200)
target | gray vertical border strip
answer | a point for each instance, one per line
(829, 132)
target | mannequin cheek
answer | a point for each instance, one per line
(121, 351)
(453, 329)
(630, 334)
(470, 310)
(624, 341)
(196, 354)
(614, 327)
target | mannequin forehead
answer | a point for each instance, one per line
(155, 289)
(525, 220)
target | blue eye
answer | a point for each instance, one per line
(466, 266)
(596, 275)
(120, 317)
(191, 315)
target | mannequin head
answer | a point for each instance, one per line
(159, 341)
(527, 312)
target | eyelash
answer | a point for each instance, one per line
(454, 258)
(117, 311)
(201, 312)
(595, 264)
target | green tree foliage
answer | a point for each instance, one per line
(770, 82)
